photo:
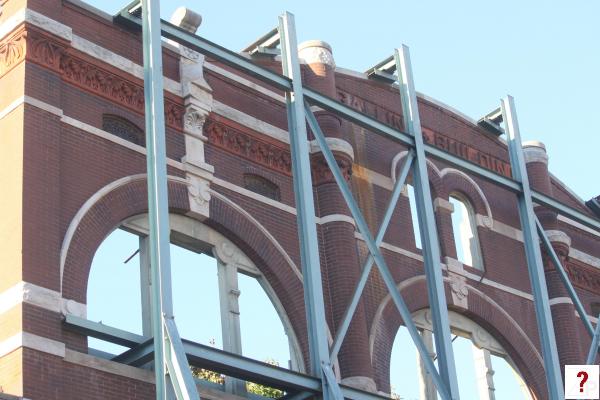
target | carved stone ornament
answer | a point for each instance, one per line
(199, 195)
(193, 122)
(458, 286)
(200, 192)
(228, 253)
(465, 327)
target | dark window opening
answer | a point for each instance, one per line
(263, 186)
(123, 128)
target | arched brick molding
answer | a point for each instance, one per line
(271, 259)
(127, 197)
(98, 217)
(454, 180)
(481, 309)
(433, 173)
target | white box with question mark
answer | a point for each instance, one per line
(582, 381)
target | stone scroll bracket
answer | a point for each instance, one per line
(198, 102)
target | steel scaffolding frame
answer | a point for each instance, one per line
(172, 372)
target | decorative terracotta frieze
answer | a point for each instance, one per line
(584, 277)
(12, 51)
(431, 137)
(321, 173)
(243, 144)
(88, 76)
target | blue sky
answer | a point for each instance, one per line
(467, 54)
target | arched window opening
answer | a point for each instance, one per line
(219, 297)
(485, 371)
(258, 184)
(464, 230)
(412, 201)
(123, 128)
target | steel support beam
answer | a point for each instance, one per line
(533, 253)
(428, 229)
(368, 265)
(165, 340)
(564, 278)
(594, 346)
(386, 275)
(303, 191)
(280, 82)
(208, 357)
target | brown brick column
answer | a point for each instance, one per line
(341, 264)
(563, 311)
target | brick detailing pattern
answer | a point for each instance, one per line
(118, 205)
(12, 51)
(248, 146)
(74, 69)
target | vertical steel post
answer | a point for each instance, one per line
(533, 253)
(303, 192)
(368, 265)
(564, 278)
(594, 346)
(157, 187)
(426, 217)
(170, 367)
(145, 286)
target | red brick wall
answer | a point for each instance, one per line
(64, 166)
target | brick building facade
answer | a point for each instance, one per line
(73, 170)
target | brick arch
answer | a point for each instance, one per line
(455, 181)
(481, 309)
(127, 197)
(271, 259)
(433, 173)
(101, 215)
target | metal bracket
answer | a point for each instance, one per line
(491, 122)
(384, 70)
(265, 45)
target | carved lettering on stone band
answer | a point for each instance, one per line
(431, 137)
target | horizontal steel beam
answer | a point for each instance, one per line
(103, 332)
(208, 357)
(281, 82)
(211, 49)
